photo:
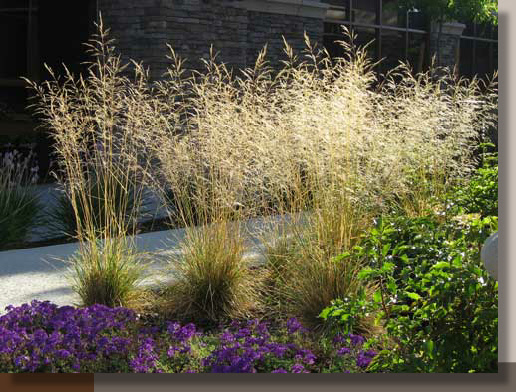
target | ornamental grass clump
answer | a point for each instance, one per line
(213, 282)
(106, 272)
(19, 205)
(306, 279)
(93, 119)
(319, 130)
(324, 139)
(121, 203)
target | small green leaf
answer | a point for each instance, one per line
(385, 249)
(404, 258)
(341, 257)
(366, 273)
(344, 317)
(429, 348)
(457, 261)
(377, 296)
(324, 314)
(441, 265)
(387, 267)
(413, 296)
(392, 286)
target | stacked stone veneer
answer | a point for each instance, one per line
(143, 28)
(269, 28)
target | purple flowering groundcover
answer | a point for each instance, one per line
(44, 337)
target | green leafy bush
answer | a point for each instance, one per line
(437, 302)
(481, 193)
(344, 315)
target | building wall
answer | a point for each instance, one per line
(269, 28)
(143, 28)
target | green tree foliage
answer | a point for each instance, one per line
(463, 10)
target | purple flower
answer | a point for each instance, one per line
(185, 349)
(278, 350)
(21, 360)
(227, 337)
(365, 358)
(293, 326)
(298, 368)
(310, 359)
(356, 340)
(146, 358)
(242, 333)
(42, 336)
(343, 351)
(63, 354)
(185, 333)
(339, 339)
(172, 351)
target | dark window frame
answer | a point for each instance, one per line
(346, 8)
(30, 12)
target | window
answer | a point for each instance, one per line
(401, 35)
(18, 43)
(38, 32)
(398, 35)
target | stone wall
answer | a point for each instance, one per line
(143, 28)
(269, 28)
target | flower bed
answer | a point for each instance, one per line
(43, 337)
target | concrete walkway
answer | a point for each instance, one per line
(43, 274)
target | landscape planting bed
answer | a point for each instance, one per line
(42, 274)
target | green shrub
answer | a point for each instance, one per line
(437, 302)
(438, 305)
(481, 193)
